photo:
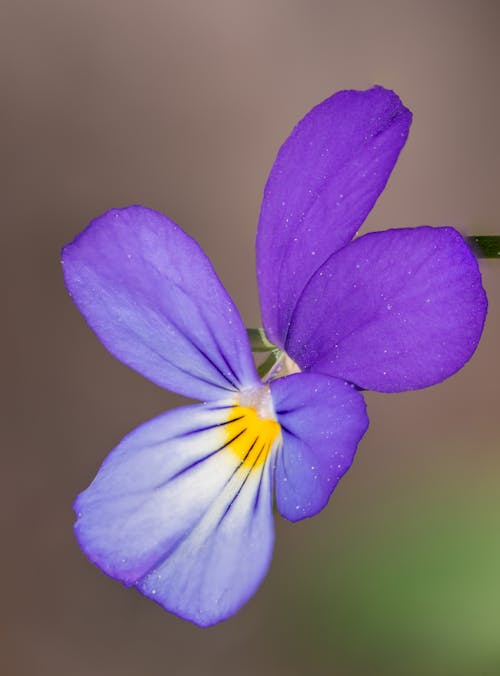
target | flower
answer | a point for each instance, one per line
(182, 508)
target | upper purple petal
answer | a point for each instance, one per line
(325, 180)
(322, 421)
(154, 300)
(392, 311)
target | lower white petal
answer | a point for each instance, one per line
(182, 509)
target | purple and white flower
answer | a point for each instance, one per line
(182, 508)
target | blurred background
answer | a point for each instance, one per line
(182, 106)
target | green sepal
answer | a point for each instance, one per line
(259, 342)
(268, 363)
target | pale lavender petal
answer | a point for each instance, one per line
(392, 311)
(322, 421)
(154, 300)
(175, 512)
(325, 180)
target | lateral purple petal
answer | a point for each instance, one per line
(154, 300)
(392, 311)
(325, 180)
(322, 421)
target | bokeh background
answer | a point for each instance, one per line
(182, 105)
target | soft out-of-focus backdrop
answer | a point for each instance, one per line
(181, 105)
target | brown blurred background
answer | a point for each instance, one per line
(182, 106)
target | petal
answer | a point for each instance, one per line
(392, 311)
(182, 509)
(325, 180)
(322, 421)
(154, 300)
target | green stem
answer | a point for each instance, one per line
(485, 246)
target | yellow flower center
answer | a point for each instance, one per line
(252, 428)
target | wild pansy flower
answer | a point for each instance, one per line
(182, 509)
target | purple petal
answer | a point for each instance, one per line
(175, 512)
(325, 180)
(322, 421)
(392, 311)
(154, 300)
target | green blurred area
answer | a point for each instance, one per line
(410, 587)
